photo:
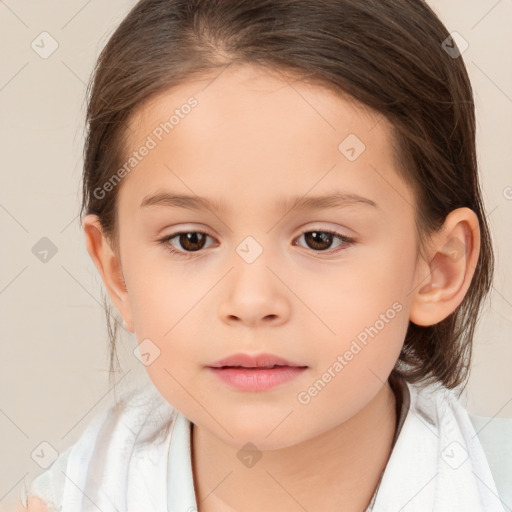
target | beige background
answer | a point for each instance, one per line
(53, 363)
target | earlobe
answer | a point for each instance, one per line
(109, 267)
(444, 280)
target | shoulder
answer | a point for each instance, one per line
(495, 436)
(485, 438)
(113, 443)
(45, 492)
(34, 505)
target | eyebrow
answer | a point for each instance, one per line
(336, 199)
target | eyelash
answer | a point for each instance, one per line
(165, 242)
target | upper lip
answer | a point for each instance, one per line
(253, 361)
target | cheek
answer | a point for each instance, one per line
(166, 304)
(160, 293)
(374, 282)
(164, 311)
(365, 306)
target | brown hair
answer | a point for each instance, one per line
(387, 55)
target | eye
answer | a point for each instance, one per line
(193, 241)
(321, 240)
(190, 241)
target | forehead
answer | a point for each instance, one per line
(252, 128)
(249, 88)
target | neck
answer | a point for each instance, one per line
(337, 470)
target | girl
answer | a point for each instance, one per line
(282, 200)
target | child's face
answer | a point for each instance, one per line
(252, 142)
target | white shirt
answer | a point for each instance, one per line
(136, 457)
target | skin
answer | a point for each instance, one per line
(254, 138)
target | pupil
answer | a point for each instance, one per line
(188, 241)
(318, 239)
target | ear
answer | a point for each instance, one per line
(109, 266)
(443, 280)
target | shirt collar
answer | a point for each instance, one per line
(180, 494)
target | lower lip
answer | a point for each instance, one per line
(261, 379)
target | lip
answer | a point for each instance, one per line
(254, 361)
(261, 372)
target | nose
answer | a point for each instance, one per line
(253, 294)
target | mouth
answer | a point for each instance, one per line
(257, 367)
(259, 361)
(244, 372)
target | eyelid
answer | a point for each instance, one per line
(165, 241)
(325, 229)
(345, 239)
